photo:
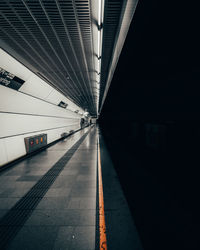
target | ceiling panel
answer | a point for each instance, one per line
(60, 40)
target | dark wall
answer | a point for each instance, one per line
(151, 124)
(158, 167)
(158, 73)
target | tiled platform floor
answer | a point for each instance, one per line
(65, 218)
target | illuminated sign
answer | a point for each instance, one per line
(9, 80)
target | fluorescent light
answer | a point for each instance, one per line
(99, 52)
(99, 17)
(99, 38)
(99, 65)
(100, 30)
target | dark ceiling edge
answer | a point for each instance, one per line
(113, 63)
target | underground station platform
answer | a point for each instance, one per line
(67, 196)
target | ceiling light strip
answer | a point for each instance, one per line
(93, 57)
(100, 39)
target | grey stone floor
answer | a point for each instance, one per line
(65, 218)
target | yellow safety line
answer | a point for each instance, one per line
(102, 224)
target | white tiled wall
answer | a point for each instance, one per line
(30, 111)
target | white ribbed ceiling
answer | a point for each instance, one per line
(59, 41)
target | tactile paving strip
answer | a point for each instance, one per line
(16, 217)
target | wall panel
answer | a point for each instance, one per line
(31, 111)
(3, 154)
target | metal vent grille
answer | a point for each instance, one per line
(55, 38)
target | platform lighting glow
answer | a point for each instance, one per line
(98, 78)
(100, 22)
(99, 62)
(99, 36)
(99, 26)
(100, 6)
